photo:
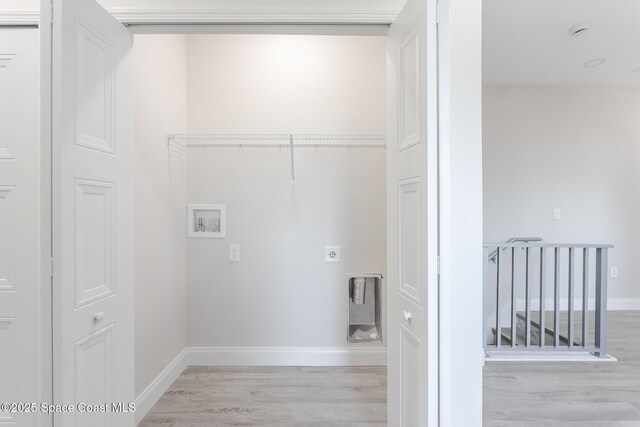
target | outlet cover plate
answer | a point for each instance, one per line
(234, 253)
(332, 253)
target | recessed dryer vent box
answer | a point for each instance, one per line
(206, 220)
(365, 308)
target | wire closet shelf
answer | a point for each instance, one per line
(289, 140)
(280, 140)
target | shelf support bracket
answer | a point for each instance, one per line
(293, 173)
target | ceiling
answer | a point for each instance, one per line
(525, 42)
(528, 42)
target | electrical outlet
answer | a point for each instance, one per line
(556, 213)
(234, 253)
(332, 253)
(614, 272)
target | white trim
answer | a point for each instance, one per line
(618, 304)
(460, 204)
(550, 356)
(20, 18)
(160, 385)
(286, 356)
(253, 16)
(613, 304)
(45, 357)
(280, 29)
(147, 16)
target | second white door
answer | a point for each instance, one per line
(93, 347)
(412, 206)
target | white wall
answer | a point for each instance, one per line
(160, 184)
(460, 162)
(282, 293)
(576, 149)
(286, 83)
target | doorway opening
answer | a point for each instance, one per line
(560, 171)
(255, 214)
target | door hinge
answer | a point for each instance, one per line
(52, 268)
(437, 13)
(438, 265)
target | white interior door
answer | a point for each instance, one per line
(412, 214)
(92, 214)
(19, 220)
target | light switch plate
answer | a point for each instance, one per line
(234, 253)
(332, 253)
(556, 213)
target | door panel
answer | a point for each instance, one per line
(9, 366)
(410, 377)
(92, 213)
(11, 60)
(94, 88)
(95, 237)
(409, 114)
(19, 221)
(8, 242)
(410, 232)
(94, 360)
(412, 241)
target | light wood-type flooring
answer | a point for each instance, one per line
(538, 394)
(273, 396)
(558, 394)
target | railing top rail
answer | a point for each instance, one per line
(524, 239)
(494, 255)
(546, 245)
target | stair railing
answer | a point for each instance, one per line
(493, 255)
(530, 295)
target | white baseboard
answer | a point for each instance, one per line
(159, 386)
(613, 304)
(543, 356)
(286, 356)
(616, 304)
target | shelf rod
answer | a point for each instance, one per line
(279, 140)
(244, 144)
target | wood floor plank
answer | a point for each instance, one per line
(264, 396)
(570, 394)
(542, 394)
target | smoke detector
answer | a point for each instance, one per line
(579, 30)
